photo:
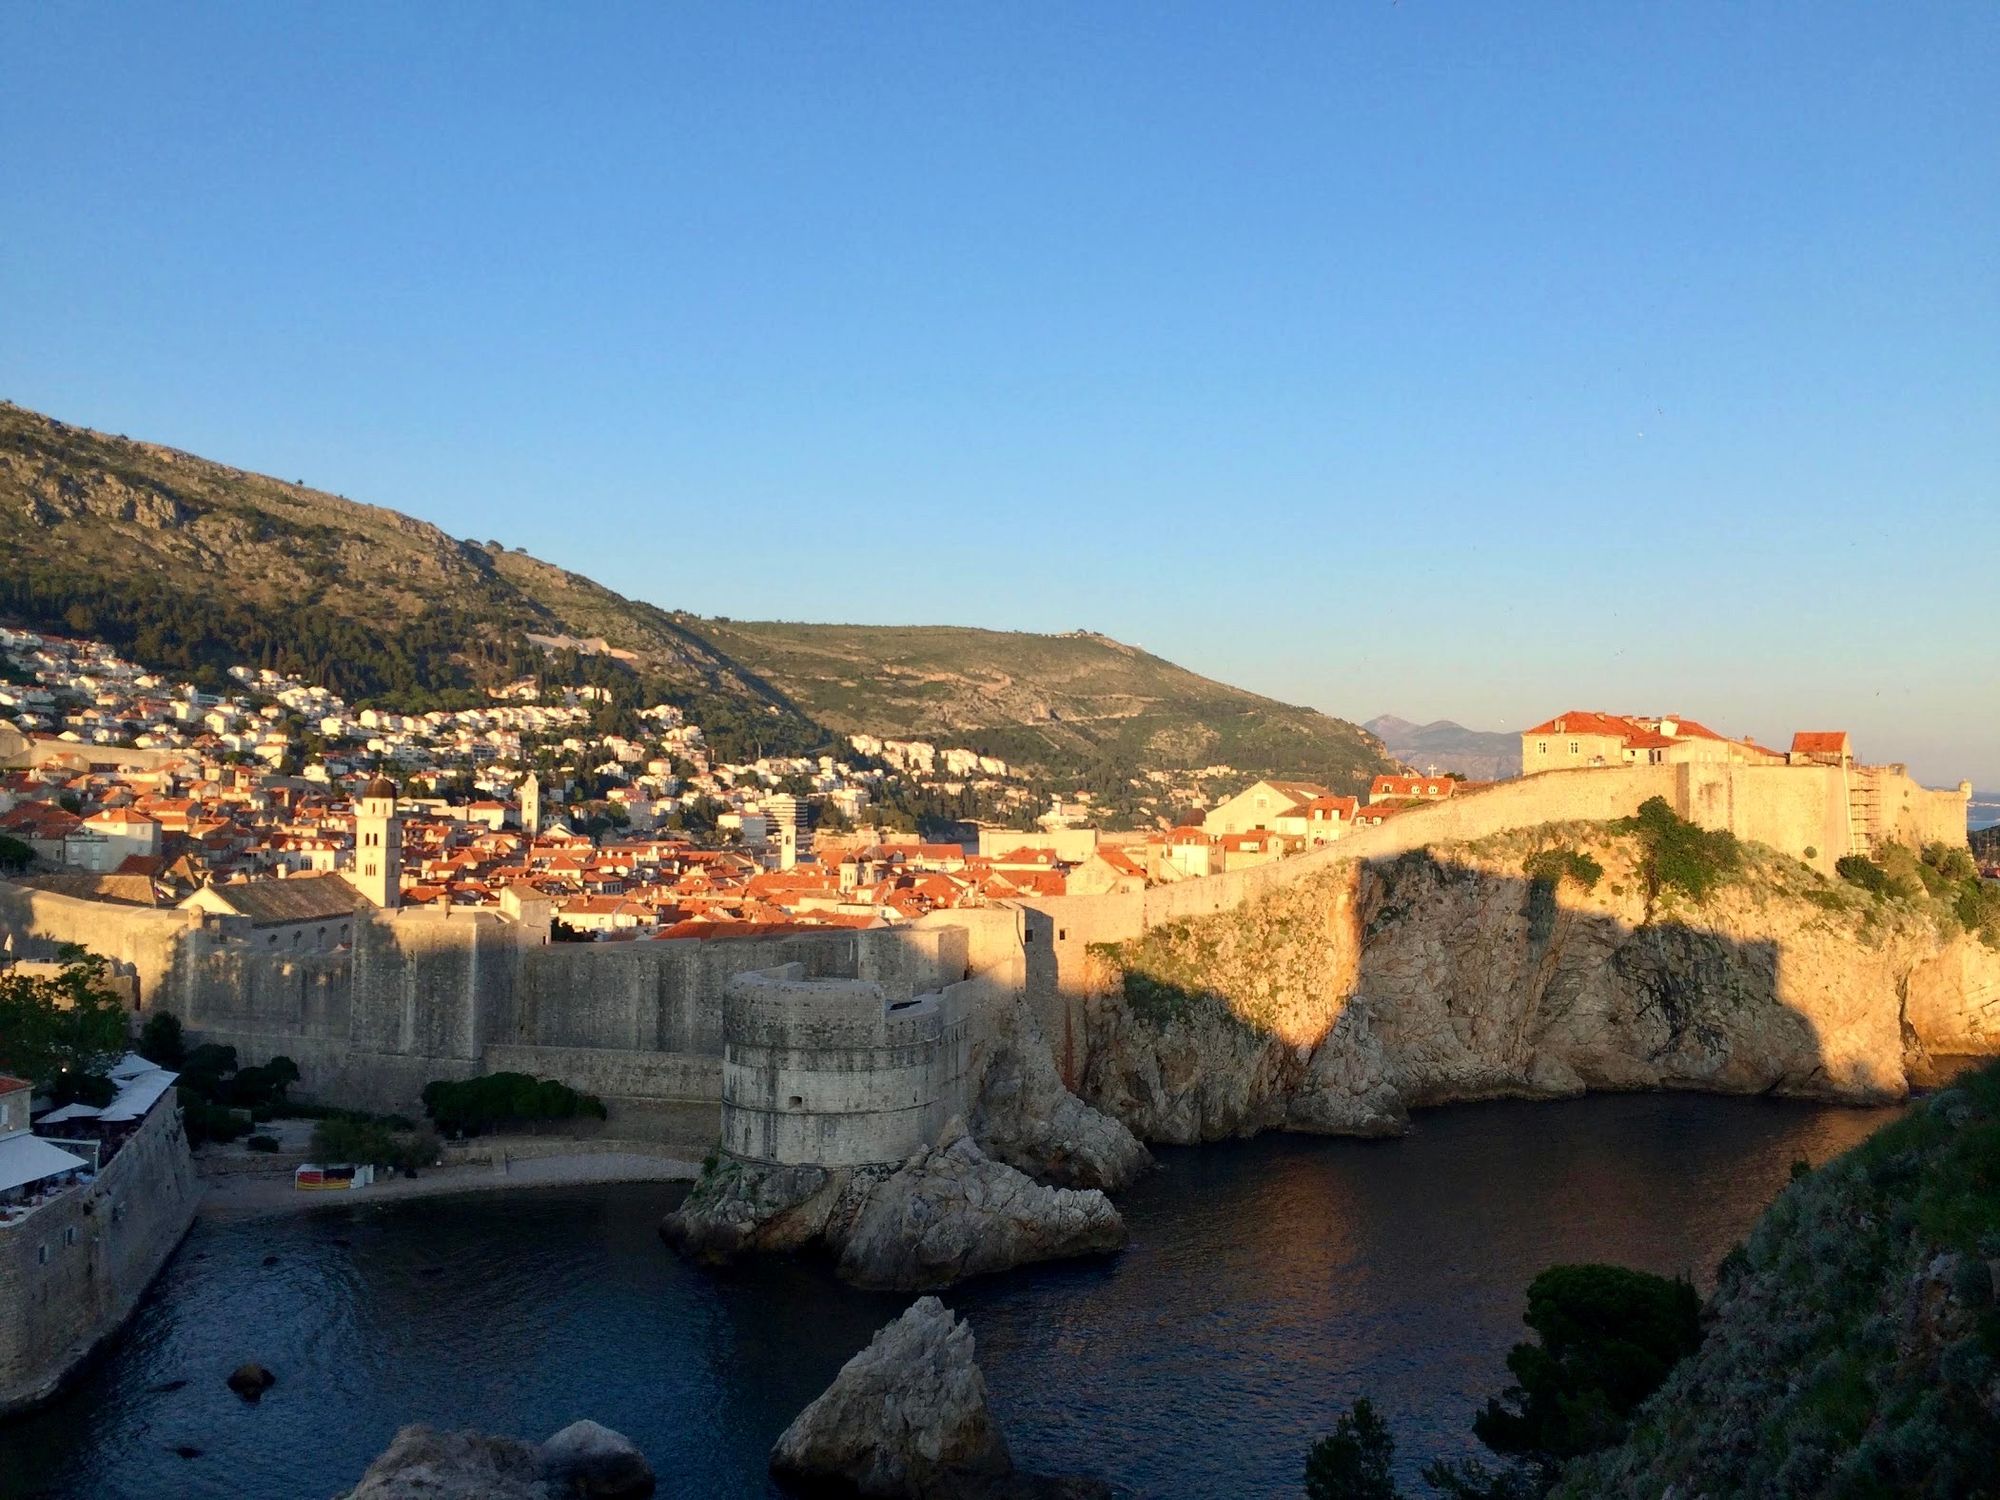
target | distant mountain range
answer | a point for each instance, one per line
(191, 566)
(1477, 754)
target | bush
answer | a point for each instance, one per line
(473, 1105)
(1554, 866)
(370, 1142)
(1859, 870)
(205, 1122)
(1607, 1337)
(1354, 1463)
(1679, 856)
(360, 1142)
(160, 1040)
(58, 1031)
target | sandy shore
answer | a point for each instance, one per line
(252, 1197)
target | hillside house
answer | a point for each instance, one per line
(1260, 805)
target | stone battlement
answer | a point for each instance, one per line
(833, 1072)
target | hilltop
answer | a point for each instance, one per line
(1059, 702)
(188, 565)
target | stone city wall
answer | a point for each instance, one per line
(73, 1271)
(427, 993)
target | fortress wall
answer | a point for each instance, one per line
(614, 1073)
(1792, 808)
(1917, 815)
(124, 1226)
(139, 941)
(828, 1072)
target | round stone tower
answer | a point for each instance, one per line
(826, 1072)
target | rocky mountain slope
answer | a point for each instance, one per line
(1852, 1346)
(187, 564)
(1535, 963)
(1053, 701)
(190, 565)
(1476, 754)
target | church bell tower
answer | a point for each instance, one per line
(378, 845)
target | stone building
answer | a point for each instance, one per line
(75, 1261)
(302, 914)
(833, 1072)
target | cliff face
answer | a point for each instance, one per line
(1851, 1342)
(1453, 973)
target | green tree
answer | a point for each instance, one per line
(15, 856)
(63, 1031)
(161, 1040)
(1606, 1338)
(1354, 1463)
(353, 1142)
(1679, 855)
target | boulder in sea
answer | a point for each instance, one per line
(907, 1419)
(952, 1212)
(585, 1461)
(251, 1380)
(425, 1464)
(591, 1462)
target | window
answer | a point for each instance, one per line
(69, 1235)
(1573, 747)
(1062, 934)
(796, 1102)
(1541, 747)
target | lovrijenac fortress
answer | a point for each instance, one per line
(849, 1040)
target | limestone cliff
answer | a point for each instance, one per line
(1850, 1343)
(1455, 973)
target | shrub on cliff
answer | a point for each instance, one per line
(473, 1105)
(1853, 1345)
(1553, 866)
(1678, 855)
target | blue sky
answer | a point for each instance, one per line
(1452, 360)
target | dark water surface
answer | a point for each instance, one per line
(1268, 1283)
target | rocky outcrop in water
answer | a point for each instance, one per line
(952, 1212)
(1336, 1003)
(585, 1461)
(947, 1213)
(1025, 1117)
(907, 1417)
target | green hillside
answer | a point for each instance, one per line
(190, 566)
(1056, 701)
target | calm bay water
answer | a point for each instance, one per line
(1269, 1282)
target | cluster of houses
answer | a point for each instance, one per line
(1580, 740)
(203, 816)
